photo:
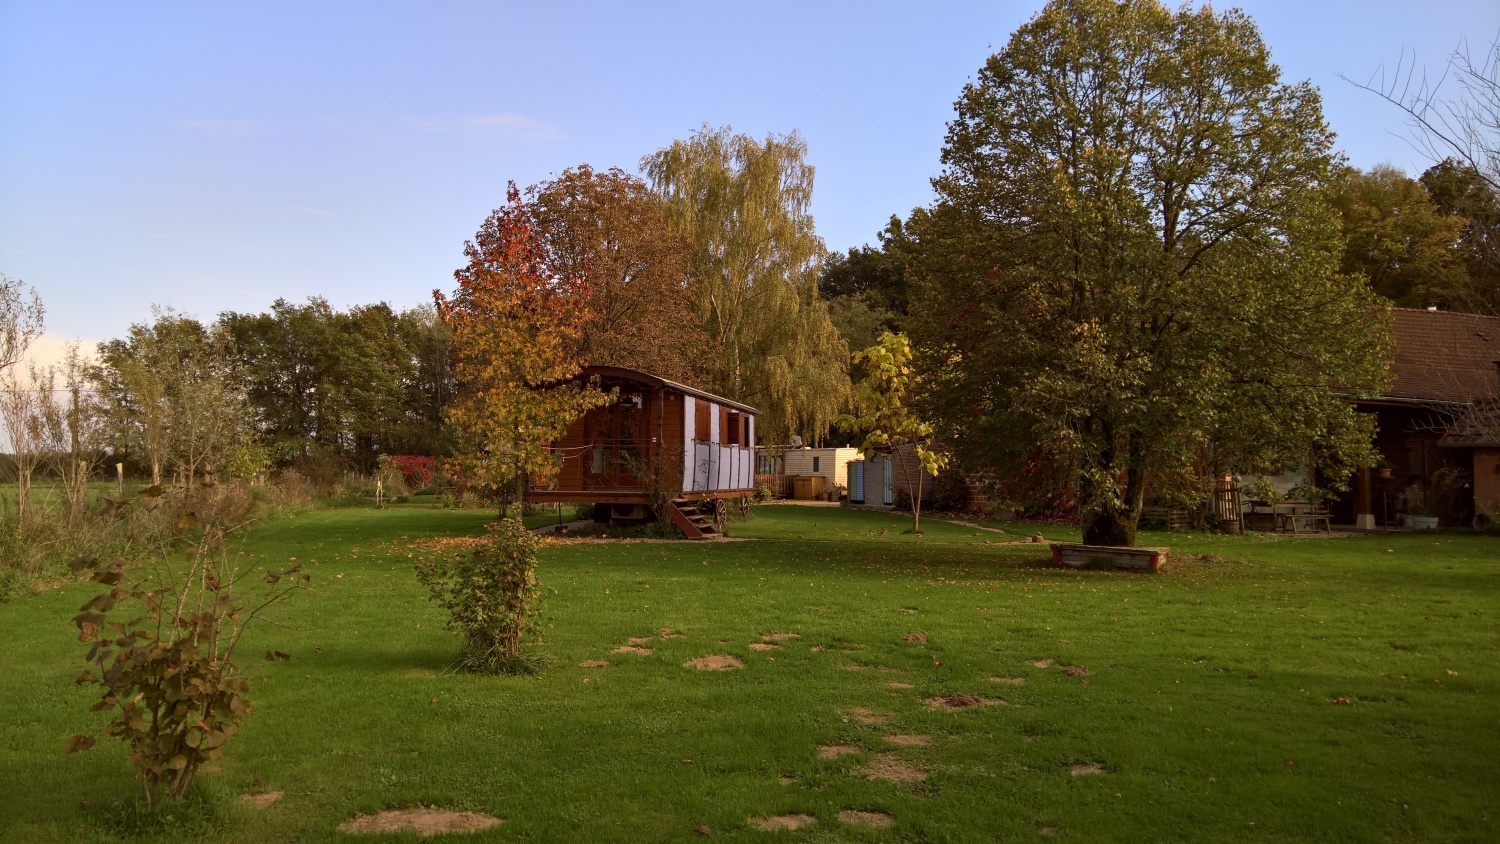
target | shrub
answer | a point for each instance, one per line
(583, 511)
(168, 671)
(950, 493)
(489, 596)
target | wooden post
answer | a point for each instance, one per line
(1364, 518)
(120, 481)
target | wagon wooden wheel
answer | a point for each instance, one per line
(745, 505)
(721, 513)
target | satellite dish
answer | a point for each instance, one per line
(796, 440)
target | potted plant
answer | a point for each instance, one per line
(1418, 515)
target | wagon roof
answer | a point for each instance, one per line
(650, 380)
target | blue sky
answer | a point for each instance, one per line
(216, 156)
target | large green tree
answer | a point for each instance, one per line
(1398, 239)
(1133, 260)
(353, 384)
(742, 207)
(1460, 190)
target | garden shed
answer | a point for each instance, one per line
(658, 439)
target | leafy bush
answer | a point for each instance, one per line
(583, 511)
(489, 596)
(950, 493)
(902, 501)
(168, 670)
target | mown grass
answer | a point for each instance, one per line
(1210, 705)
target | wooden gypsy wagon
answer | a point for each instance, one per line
(660, 439)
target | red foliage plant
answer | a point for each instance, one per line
(415, 469)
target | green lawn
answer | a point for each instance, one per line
(1209, 711)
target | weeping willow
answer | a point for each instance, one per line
(742, 206)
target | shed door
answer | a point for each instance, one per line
(889, 497)
(857, 483)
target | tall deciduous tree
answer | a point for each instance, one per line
(1133, 258)
(609, 230)
(21, 319)
(1459, 190)
(1398, 239)
(517, 330)
(355, 384)
(174, 395)
(742, 205)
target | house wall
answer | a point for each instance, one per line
(1487, 482)
(573, 452)
(833, 463)
(711, 465)
(906, 464)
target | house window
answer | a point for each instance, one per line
(816, 461)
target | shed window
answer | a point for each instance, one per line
(816, 461)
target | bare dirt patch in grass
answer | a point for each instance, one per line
(781, 822)
(593, 663)
(261, 801)
(423, 821)
(915, 637)
(714, 662)
(632, 649)
(669, 633)
(873, 820)
(834, 751)
(779, 637)
(909, 741)
(1082, 769)
(1009, 681)
(640, 640)
(869, 716)
(1075, 671)
(1041, 663)
(951, 703)
(889, 767)
(762, 646)
(899, 686)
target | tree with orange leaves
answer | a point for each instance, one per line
(516, 343)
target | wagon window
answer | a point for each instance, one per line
(732, 430)
(701, 420)
(816, 462)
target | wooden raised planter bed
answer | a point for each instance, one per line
(1109, 557)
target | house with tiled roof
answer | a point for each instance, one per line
(1437, 412)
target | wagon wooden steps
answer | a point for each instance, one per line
(690, 518)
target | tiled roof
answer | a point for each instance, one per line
(1444, 356)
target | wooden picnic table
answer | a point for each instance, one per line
(1297, 516)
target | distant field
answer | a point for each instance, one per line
(1205, 708)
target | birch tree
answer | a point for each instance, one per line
(743, 207)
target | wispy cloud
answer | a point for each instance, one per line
(317, 211)
(225, 127)
(510, 125)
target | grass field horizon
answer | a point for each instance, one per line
(1205, 704)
